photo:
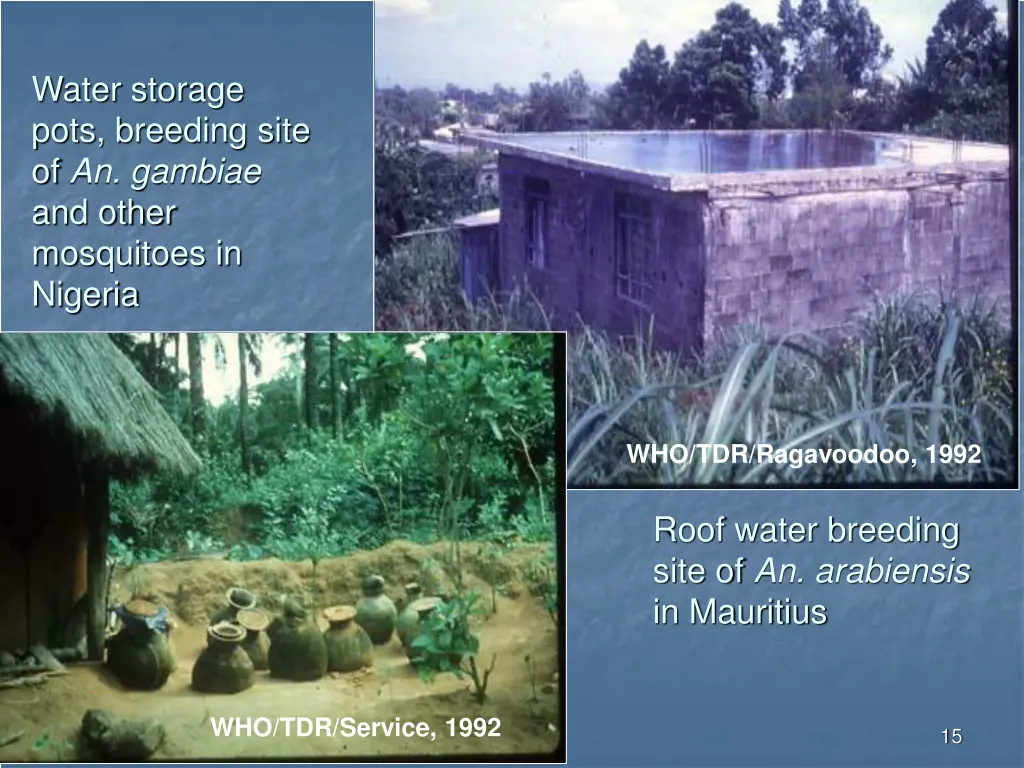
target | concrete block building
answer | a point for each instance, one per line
(692, 232)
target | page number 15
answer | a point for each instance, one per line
(952, 736)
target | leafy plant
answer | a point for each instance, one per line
(406, 436)
(447, 644)
(542, 577)
(45, 744)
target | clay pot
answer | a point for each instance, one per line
(348, 646)
(140, 655)
(408, 617)
(238, 599)
(375, 612)
(420, 609)
(143, 616)
(256, 643)
(413, 592)
(290, 607)
(297, 649)
(223, 667)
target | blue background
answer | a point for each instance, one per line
(306, 229)
(876, 685)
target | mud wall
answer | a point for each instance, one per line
(812, 261)
(43, 535)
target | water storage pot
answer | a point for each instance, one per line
(238, 599)
(408, 617)
(348, 646)
(256, 643)
(422, 608)
(297, 649)
(375, 612)
(140, 655)
(223, 666)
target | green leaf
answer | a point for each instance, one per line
(494, 429)
(423, 640)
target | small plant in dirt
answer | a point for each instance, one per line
(137, 582)
(447, 643)
(531, 671)
(311, 539)
(491, 556)
(386, 672)
(47, 747)
(431, 577)
(542, 576)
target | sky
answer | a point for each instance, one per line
(220, 380)
(221, 383)
(476, 43)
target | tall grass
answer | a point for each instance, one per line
(417, 288)
(912, 372)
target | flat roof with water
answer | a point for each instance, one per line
(672, 155)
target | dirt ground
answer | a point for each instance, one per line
(523, 698)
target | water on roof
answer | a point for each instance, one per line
(707, 152)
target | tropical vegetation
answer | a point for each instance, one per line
(350, 442)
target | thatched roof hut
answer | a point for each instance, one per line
(83, 384)
(74, 412)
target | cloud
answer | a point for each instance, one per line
(388, 8)
(591, 14)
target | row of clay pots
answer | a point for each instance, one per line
(243, 640)
(378, 615)
(298, 650)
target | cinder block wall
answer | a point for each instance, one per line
(579, 281)
(791, 262)
(810, 262)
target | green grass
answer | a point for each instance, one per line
(417, 288)
(912, 372)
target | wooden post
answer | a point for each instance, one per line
(97, 506)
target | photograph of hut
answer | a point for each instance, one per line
(75, 413)
(206, 530)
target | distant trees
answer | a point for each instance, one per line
(556, 105)
(416, 189)
(842, 28)
(714, 79)
(818, 64)
(416, 111)
(642, 96)
(737, 74)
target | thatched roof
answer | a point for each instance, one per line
(84, 385)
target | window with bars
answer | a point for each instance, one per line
(538, 203)
(634, 248)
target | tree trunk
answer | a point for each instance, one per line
(243, 402)
(176, 397)
(96, 498)
(335, 386)
(197, 397)
(309, 363)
